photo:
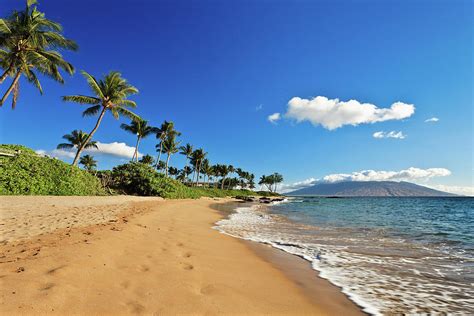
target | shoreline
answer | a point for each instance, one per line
(297, 269)
(156, 256)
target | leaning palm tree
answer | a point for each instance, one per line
(77, 139)
(165, 130)
(170, 147)
(88, 162)
(187, 151)
(110, 94)
(140, 128)
(28, 44)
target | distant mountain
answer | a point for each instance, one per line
(369, 188)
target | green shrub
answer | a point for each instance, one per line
(31, 174)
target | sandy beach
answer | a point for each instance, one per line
(136, 255)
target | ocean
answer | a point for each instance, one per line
(389, 255)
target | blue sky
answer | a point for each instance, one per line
(218, 69)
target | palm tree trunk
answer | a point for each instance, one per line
(167, 162)
(158, 159)
(135, 154)
(10, 89)
(81, 148)
(222, 184)
(194, 182)
(5, 74)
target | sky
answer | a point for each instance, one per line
(314, 90)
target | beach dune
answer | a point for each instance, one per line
(130, 255)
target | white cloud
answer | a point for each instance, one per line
(461, 190)
(409, 174)
(56, 153)
(288, 187)
(114, 149)
(392, 134)
(274, 117)
(433, 120)
(333, 113)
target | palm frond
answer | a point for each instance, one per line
(93, 110)
(65, 146)
(93, 84)
(82, 99)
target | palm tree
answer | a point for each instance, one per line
(27, 45)
(197, 157)
(166, 129)
(231, 171)
(187, 151)
(147, 160)
(206, 169)
(140, 128)
(224, 171)
(170, 147)
(110, 94)
(88, 162)
(187, 171)
(173, 171)
(77, 139)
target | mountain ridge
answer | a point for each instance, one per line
(369, 188)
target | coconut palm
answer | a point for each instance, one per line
(77, 139)
(165, 130)
(187, 171)
(170, 147)
(197, 158)
(224, 171)
(206, 170)
(187, 151)
(147, 160)
(140, 128)
(110, 95)
(28, 45)
(172, 171)
(88, 162)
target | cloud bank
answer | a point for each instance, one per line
(333, 113)
(432, 120)
(113, 149)
(461, 190)
(409, 174)
(274, 117)
(392, 134)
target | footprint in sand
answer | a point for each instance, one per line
(180, 244)
(143, 268)
(125, 284)
(135, 307)
(54, 270)
(188, 266)
(47, 286)
(187, 255)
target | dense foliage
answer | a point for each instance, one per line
(142, 179)
(28, 173)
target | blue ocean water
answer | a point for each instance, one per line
(389, 255)
(437, 221)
